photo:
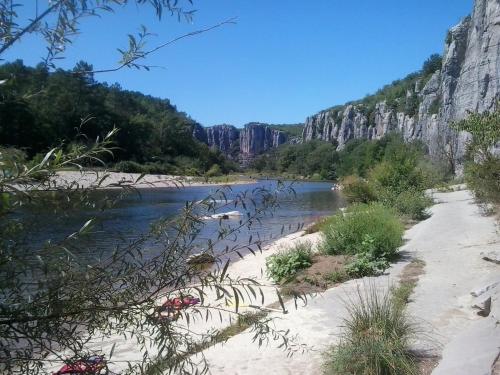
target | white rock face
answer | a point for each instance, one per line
(469, 80)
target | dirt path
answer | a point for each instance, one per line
(450, 242)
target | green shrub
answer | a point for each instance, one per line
(376, 339)
(365, 264)
(285, 264)
(357, 190)
(214, 171)
(412, 204)
(397, 176)
(337, 276)
(364, 228)
(128, 166)
(484, 179)
(482, 170)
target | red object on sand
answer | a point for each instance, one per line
(178, 303)
(90, 366)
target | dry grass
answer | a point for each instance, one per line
(317, 278)
(402, 295)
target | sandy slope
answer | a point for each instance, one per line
(450, 242)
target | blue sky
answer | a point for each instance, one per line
(282, 61)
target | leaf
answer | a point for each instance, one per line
(280, 299)
(224, 270)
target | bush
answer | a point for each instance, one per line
(397, 176)
(129, 167)
(285, 264)
(365, 264)
(484, 179)
(149, 168)
(357, 190)
(482, 170)
(214, 171)
(412, 204)
(364, 228)
(376, 339)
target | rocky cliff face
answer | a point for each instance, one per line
(244, 144)
(469, 80)
(256, 138)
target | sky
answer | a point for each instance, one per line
(281, 62)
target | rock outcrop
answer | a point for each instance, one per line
(469, 80)
(257, 138)
(242, 145)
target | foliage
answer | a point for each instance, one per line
(484, 127)
(376, 339)
(365, 264)
(371, 228)
(432, 64)
(292, 130)
(402, 293)
(39, 109)
(214, 171)
(357, 190)
(78, 300)
(484, 179)
(58, 24)
(412, 204)
(400, 181)
(482, 168)
(285, 264)
(305, 159)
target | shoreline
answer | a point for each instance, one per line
(117, 180)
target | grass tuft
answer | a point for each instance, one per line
(376, 338)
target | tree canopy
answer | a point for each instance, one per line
(41, 109)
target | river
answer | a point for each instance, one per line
(133, 214)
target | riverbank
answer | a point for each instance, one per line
(114, 180)
(450, 243)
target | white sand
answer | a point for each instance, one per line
(252, 266)
(115, 179)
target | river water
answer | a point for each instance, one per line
(133, 215)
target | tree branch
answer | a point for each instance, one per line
(230, 21)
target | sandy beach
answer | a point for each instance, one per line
(113, 180)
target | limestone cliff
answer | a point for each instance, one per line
(468, 80)
(241, 144)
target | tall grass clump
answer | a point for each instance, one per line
(375, 340)
(285, 264)
(364, 228)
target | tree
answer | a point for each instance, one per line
(482, 165)
(432, 64)
(55, 301)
